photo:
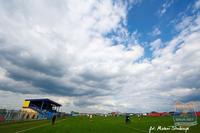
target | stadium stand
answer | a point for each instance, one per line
(40, 108)
(32, 109)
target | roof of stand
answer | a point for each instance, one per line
(46, 100)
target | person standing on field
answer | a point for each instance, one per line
(127, 119)
(53, 120)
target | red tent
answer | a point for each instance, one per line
(198, 113)
(158, 114)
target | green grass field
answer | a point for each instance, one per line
(95, 125)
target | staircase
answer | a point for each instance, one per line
(42, 114)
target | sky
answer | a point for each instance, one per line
(100, 56)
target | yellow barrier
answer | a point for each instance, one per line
(26, 104)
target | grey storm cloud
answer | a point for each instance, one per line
(48, 84)
(50, 67)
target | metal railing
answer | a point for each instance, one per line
(18, 115)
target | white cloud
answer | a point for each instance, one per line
(165, 7)
(156, 32)
(185, 22)
(197, 4)
(60, 50)
(155, 45)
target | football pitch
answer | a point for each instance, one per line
(96, 125)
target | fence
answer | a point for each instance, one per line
(17, 115)
(10, 115)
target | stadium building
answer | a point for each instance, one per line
(40, 108)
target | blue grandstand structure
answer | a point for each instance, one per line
(41, 108)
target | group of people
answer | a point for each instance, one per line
(127, 119)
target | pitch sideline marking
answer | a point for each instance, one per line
(31, 128)
(19, 123)
(135, 129)
(36, 127)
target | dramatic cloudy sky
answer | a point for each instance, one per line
(100, 56)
